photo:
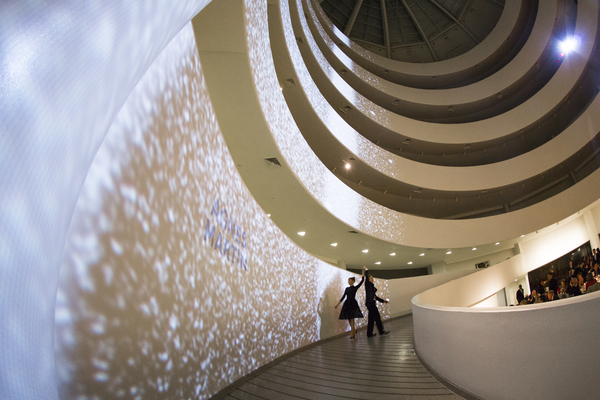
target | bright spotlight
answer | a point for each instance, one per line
(569, 44)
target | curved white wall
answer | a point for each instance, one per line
(64, 79)
(541, 350)
(174, 281)
(469, 59)
(510, 352)
(511, 121)
(267, 116)
(384, 90)
(402, 291)
(326, 121)
(147, 291)
(66, 70)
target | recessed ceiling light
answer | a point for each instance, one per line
(497, 243)
(421, 255)
(392, 254)
(269, 215)
(334, 244)
(474, 248)
(301, 233)
(410, 262)
(522, 235)
(347, 165)
(448, 252)
(365, 250)
(378, 262)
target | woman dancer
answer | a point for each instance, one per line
(350, 309)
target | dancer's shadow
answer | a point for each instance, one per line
(329, 316)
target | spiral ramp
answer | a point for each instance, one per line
(516, 170)
(468, 136)
(464, 153)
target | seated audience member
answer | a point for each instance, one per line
(581, 282)
(531, 298)
(563, 289)
(540, 288)
(593, 288)
(551, 296)
(595, 271)
(587, 268)
(578, 270)
(574, 289)
(551, 283)
(589, 281)
(571, 268)
(538, 298)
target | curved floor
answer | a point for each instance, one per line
(381, 367)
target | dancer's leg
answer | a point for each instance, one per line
(371, 320)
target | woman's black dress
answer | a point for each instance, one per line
(350, 309)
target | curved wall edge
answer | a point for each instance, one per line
(498, 353)
(495, 353)
(67, 70)
(403, 290)
(52, 133)
(534, 253)
(174, 282)
(477, 178)
(373, 86)
(513, 120)
(477, 55)
(277, 135)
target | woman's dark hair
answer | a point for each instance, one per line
(353, 278)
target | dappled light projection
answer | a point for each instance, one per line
(174, 282)
(341, 201)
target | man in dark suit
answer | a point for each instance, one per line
(552, 283)
(520, 295)
(370, 297)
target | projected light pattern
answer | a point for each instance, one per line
(347, 61)
(153, 299)
(301, 159)
(399, 167)
(62, 83)
(338, 127)
(355, 142)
